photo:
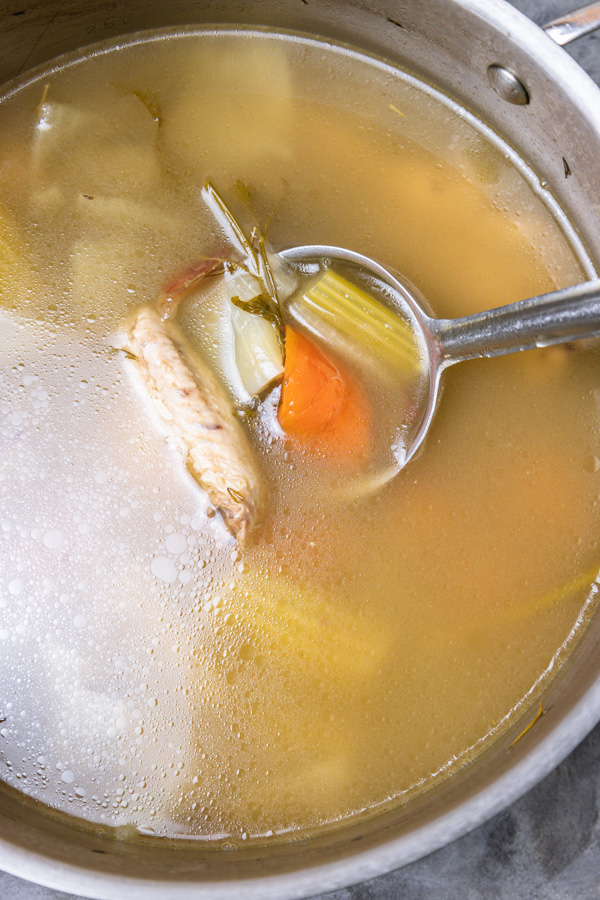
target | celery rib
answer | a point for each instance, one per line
(360, 318)
(368, 318)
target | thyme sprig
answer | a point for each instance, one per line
(255, 262)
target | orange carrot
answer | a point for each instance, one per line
(323, 406)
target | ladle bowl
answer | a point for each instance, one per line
(559, 317)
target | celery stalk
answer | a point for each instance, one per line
(341, 313)
(298, 626)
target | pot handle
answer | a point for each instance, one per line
(574, 25)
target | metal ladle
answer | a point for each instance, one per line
(570, 314)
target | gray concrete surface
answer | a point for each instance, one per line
(544, 847)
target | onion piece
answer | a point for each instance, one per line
(258, 353)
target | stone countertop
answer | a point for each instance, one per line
(545, 846)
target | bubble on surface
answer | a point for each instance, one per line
(164, 569)
(176, 543)
(54, 539)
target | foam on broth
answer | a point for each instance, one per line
(151, 673)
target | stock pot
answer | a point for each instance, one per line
(509, 73)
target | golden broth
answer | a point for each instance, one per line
(152, 673)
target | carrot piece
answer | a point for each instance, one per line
(322, 405)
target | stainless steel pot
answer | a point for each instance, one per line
(505, 70)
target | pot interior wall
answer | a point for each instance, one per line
(450, 45)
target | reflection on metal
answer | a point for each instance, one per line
(574, 25)
(507, 85)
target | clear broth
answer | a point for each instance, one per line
(153, 675)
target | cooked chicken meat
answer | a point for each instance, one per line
(200, 420)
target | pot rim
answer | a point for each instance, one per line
(395, 852)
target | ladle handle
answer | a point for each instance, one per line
(574, 25)
(566, 315)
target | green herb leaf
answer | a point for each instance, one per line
(124, 350)
(220, 208)
(256, 261)
(150, 105)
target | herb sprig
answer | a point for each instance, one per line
(255, 262)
